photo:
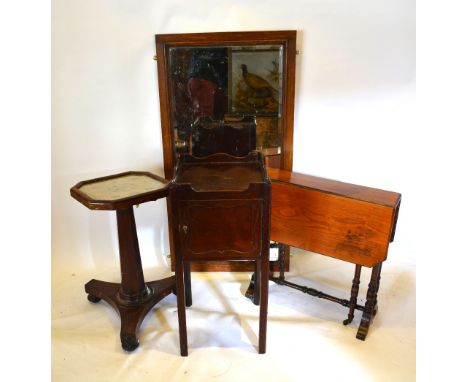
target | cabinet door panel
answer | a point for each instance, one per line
(214, 230)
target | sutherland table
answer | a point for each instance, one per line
(341, 220)
(133, 297)
(349, 222)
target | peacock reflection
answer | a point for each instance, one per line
(224, 85)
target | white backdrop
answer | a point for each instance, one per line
(354, 116)
(354, 122)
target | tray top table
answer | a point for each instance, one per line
(133, 297)
(120, 191)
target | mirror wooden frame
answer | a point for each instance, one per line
(284, 160)
(285, 38)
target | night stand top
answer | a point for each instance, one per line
(221, 172)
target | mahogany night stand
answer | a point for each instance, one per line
(133, 297)
(220, 206)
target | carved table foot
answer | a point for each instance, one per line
(132, 312)
(365, 323)
(93, 298)
(363, 328)
(370, 309)
(348, 320)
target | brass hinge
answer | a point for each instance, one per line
(155, 58)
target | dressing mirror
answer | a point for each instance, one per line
(233, 89)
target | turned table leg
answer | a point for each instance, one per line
(282, 260)
(376, 305)
(354, 295)
(371, 301)
(132, 298)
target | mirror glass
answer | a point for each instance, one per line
(232, 91)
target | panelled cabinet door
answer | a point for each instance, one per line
(219, 229)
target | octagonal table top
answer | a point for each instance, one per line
(120, 190)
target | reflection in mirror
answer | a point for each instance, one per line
(226, 98)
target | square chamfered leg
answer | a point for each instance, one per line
(257, 286)
(264, 272)
(264, 277)
(181, 303)
(188, 284)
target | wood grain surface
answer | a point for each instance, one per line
(345, 221)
